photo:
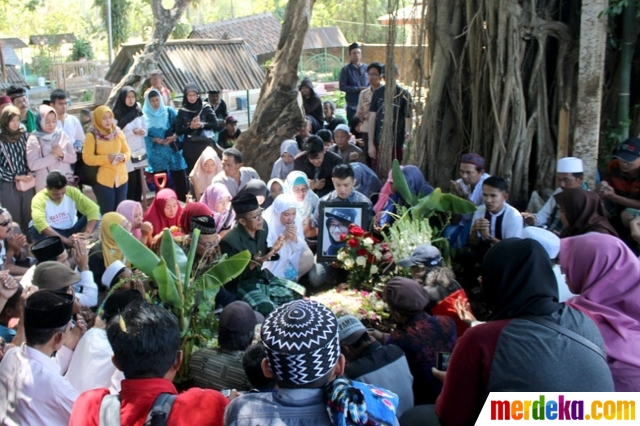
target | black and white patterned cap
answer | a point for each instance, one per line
(300, 340)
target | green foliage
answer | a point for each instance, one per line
(616, 7)
(41, 64)
(86, 96)
(81, 49)
(119, 19)
(424, 220)
(181, 31)
(191, 300)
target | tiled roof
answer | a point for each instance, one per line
(318, 38)
(52, 39)
(261, 32)
(211, 64)
(9, 56)
(14, 42)
(13, 78)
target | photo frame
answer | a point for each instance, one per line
(335, 218)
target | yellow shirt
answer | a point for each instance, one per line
(108, 174)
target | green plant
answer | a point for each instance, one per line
(86, 96)
(181, 31)
(81, 49)
(191, 299)
(424, 219)
(42, 63)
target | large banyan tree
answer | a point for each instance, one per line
(501, 83)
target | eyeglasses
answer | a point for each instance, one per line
(5, 224)
(300, 190)
(257, 216)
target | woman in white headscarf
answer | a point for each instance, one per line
(296, 259)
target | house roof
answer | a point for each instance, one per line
(262, 33)
(9, 56)
(318, 38)
(52, 39)
(13, 78)
(14, 42)
(211, 64)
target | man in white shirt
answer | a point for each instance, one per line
(569, 174)
(93, 353)
(233, 175)
(67, 123)
(469, 187)
(495, 220)
(32, 390)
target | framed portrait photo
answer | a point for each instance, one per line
(335, 219)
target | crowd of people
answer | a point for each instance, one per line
(531, 291)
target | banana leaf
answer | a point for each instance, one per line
(222, 273)
(167, 288)
(440, 202)
(195, 235)
(137, 253)
(400, 184)
(174, 256)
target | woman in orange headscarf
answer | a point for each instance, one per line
(106, 146)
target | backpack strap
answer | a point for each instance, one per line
(568, 333)
(159, 414)
(110, 411)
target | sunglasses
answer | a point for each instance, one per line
(5, 224)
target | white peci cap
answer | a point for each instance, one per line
(570, 165)
(548, 240)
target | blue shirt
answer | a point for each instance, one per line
(7, 333)
(352, 80)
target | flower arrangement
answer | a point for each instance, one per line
(407, 232)
(362, 257)
(367, 306)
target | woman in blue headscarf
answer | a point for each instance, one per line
(367, 181)
(164, 155)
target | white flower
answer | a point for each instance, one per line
(368, 242)
(361, 260)
(348, 263)
(374, 269)
(342, 255)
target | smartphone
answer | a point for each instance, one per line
(226, 392)
(442, 360)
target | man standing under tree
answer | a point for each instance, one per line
(353, 79)
(400, 116)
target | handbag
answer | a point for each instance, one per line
(88, 175)
(20, 185)
(139, 158)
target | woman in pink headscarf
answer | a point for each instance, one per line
(164, 212)
(606, 274)
(132, 211)
(218, 198)
(207, 166)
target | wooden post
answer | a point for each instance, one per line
(593, 36)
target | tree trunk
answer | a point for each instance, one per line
(626, 56)
(499, 76)
(278, 115)
(593, 38)
(387, 140)
(165, 21)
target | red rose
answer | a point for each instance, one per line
(362, 252)
(343, 237)
(356, 231)
(371, 259)
(352, 242)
